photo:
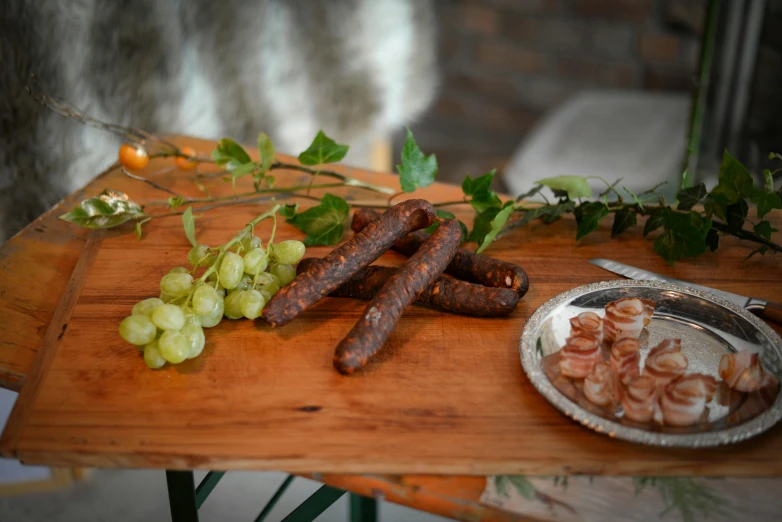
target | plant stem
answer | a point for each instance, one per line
(747, 235)
(350, 182)
(286, 190)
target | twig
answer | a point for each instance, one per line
(745, 234)
(150, 183)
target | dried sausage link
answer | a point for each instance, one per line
(448, 294)
(400, 290)
(475, 268)
(343, 262)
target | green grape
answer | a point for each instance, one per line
(168, 317)
(267, 296)
(204, 299)
(146, 306)
(166, 298)
(233, 305)
(195, 336)
(152, 356)
(200, 255)
(176, 284)
(252, 304)
(289, 252)
(214, 317)
(174, 346)
(179, 270)
(219, 289)
(246, 283)
(269, 282)
(137, 329)
(255, 261)
(231, 270)
(285, 273)
(250, 243)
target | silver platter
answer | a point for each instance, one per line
(708, 327)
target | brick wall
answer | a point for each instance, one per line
(505, 63)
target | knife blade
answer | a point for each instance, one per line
(632, 272)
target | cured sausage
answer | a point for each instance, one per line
(445, 293)
(474, 268)
(400, 290)
(343, 262)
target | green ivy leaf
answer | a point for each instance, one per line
(735, 215)
(288, 211)
(243, 170)
(623, 219)
(759, 250)
(323, 150)
(109, 209)
(531, 192)
(481, 197)
(656, 220)
(689, 197)
(766, 201)
(444, 214)
(735, 181)
(323, 224)
(683, 236)
(764, 230)
(495, 226)
(575, 186)
(229, 155)
(712, 239)
(188, 220)
(266, 149)
(416, 169)
(481, 225)
(588, 216)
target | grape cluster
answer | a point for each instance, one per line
(238, 280)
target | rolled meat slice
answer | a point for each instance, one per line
(626, 318)
(744, 372)
(587, 324)
(578, 356)
(640, 400)
(601, 386)
(684, 399)
(626, 358)
(666, 361)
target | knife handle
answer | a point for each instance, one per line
(772, 312)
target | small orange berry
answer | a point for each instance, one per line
(133, 157)
(185, 163)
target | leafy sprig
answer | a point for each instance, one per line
(689, 227)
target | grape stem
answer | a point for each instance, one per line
(242, 234)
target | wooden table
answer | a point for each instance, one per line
(44, 268)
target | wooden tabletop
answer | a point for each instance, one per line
(403, 413)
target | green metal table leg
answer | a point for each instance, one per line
(182, 496)
(316, 504)
(362, 509)
(206, 486)
(273, 501)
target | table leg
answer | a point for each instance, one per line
(182, 496)
(316, 504)
(362, 509)
(273, 501)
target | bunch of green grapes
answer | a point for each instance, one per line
(238, 279)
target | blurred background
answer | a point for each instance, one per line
(537, 88)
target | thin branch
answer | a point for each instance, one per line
(150, 183)
(745, 234)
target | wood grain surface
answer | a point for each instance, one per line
(449, 397)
